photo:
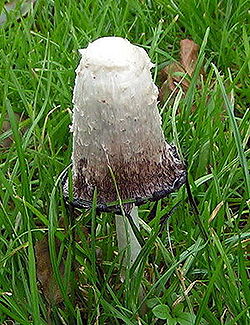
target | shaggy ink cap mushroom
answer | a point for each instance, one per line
(117, 126)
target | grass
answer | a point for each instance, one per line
(194, 267)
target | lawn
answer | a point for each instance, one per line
(194, 266)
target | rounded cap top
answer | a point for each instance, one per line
(110, 52)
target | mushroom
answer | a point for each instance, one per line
(118, 144)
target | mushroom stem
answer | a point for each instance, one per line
(127, 241)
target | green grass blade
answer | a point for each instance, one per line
(20, 152)
(32, 277)
(235, 130)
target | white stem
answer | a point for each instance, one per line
(126, 238)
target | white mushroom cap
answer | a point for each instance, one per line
(111, 53)
(116, 124)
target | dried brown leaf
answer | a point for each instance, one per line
(178, 74)
(45, 272)
(172, 75)
(7, 142)
(189, 55)
(44, 267)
